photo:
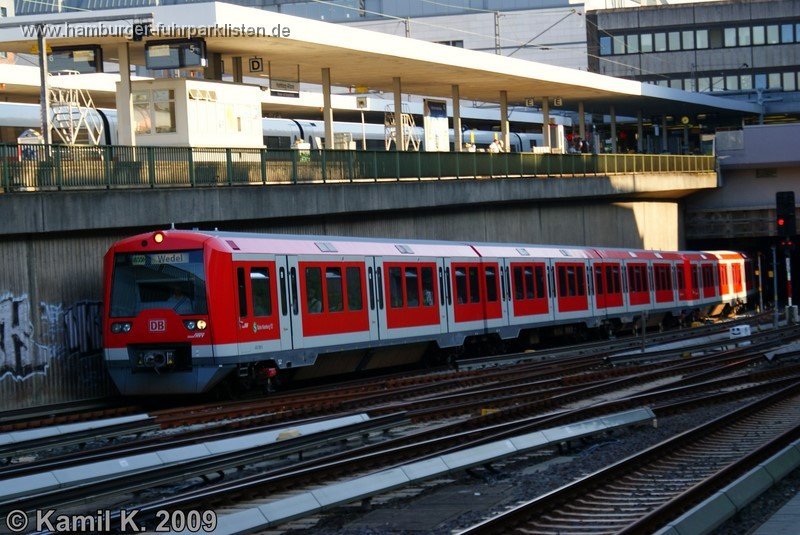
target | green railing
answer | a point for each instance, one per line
(60, 167)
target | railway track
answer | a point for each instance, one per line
(635, 495)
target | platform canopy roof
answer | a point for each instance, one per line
(362, 58)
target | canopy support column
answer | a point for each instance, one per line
(399, 134)
(327, 109)
(126, 130)
(458, 141)
(504, 121)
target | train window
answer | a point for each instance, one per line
(242, 292)
(613, 282)
(461, 285)
(580, 275)
(518, 288)
(474, 286)
(573, 290)
(491, 284)
(637, 278)
(333, 280)
(598, 280)
(681, 281)
(562, 281)
(282, 275)
(529, 286)
(663, 280)
(260, 292)
(412, 287)
(695, 277)
(540, 284)
(314, 290)
(427, 286)
(354, 288)
(395, 287)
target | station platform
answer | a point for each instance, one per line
(786, 521)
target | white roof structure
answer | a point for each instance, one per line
(359, 57)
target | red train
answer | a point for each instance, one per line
(187, 309)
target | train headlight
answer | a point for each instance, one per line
(117, 328)
(195, 325)
(158, 238)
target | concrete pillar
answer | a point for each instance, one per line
(664, 144)
(504, 135)
(458, 142)
(214, 69)
(546, 121)
(399, 136)
(126, 130)
(238, 73)
(639, 132)
(613, 113)
(327, 110)
(581, 121)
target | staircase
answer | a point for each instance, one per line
(410, 136)
(73, 116)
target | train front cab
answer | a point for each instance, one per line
(159, 324)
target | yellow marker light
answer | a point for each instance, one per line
(201, 324)
(158, 237)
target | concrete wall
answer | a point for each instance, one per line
(50, 283)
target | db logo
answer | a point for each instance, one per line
(158, 326)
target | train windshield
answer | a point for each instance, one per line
(167, 280)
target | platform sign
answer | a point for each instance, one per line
(83, 59)
(437, 131)
(530, 102)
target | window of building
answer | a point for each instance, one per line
(796, 32)
(744, 36)
(759, 35)
(761, 81)
(661, 42)
(745, 82)
(789, 81)
(730, 37)
(619, 45)
(688, 39)
(632, 42)
(704, 84)
(456, 43)
(605, 45)
(717, 83)
(676, 84)
(774, 80)
(154, 111)
(787, 33)
(688, 84)
(732, 83)
(646, 42)
(716, 38)
(674, 39)
(3, 12)
(773, 34)
(702, 39)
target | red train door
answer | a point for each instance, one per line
(607, 286)
(259, 327)
(663, 282)
(411, 299)
(572, 298)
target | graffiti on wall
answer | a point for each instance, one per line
(18, 355)
(67, 333)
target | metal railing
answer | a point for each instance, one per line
(62, 167)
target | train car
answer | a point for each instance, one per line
(187, 310)
(278, 133)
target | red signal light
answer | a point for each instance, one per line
(781, 221)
